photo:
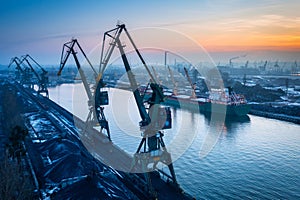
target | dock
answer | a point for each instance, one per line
(64, 167)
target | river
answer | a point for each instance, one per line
(252, 158)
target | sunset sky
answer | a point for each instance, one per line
(226, 28)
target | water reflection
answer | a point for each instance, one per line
(230, 123)
(252, 156)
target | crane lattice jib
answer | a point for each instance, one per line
(37, 64)
(17, 61)
(67, 50)
(24, 58)
(114, 34)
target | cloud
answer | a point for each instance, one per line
(260, 23)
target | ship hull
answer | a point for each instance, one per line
(233, 110)
(207, 107)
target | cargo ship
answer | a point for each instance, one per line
(222, 101)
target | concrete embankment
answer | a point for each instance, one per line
(284, 113)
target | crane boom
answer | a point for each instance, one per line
(155, 74)
(95, 100)
(139, 100)
(191, 83)
(114, 34)
(173, 81)
(69, 48)
(24, 58)
(17, 61)
(37, 64)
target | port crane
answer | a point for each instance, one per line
(19, 70)
(263, 68)
(22, 74)
(193, 85)
(155, 118)
(173, 81)
(246, 64)
(156, 75)
(236, 57)
(42, 78)
(174, 91)
(96, 99)
(294, 68)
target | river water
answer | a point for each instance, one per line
(251, 158)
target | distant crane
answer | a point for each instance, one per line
(295, 68)
(246, 65)
(283, 66)
(155, 74)
(230, 60)
(154, 149)
(96, 109)
(42, 78)
(263, 68)
(276, 66)
(19, 71)
(175, 91)
(22, 74)
(193, 85)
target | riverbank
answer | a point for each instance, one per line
(284, 113)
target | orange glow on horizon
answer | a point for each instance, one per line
(264, 42)
(262, 32)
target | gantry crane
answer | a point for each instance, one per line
(96, 99)
(193, 85)
(22, 74)
(150, 111)
(42, 78)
